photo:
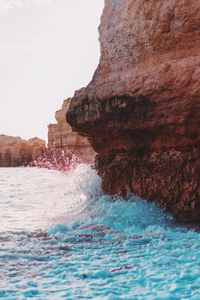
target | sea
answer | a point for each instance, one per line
(61, 237)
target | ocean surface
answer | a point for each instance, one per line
(61, 238)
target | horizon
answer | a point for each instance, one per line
(48, 50)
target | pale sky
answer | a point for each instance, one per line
(48, 49)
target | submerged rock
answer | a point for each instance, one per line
(141, 110)
(15, 151)
(61, 137)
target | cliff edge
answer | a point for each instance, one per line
(61, 137)
(15, 152)
(141, 110)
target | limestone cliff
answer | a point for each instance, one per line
(15, 151)
(61, 136)
(142, 108)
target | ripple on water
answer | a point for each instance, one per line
(89, 247)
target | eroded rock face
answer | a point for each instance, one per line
(15, 151)
(142, 108)
(61, 136)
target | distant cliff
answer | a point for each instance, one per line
(61, 136)
(142, 108)
(15, 151)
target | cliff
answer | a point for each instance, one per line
(61, 136)
(15, 151)
(142, 108)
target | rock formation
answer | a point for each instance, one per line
(142, 108)
(15, 151)
(61, 136)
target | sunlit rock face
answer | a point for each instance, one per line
(15, 151)
(142, 108)
(61, 136)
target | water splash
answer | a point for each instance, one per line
(56, 159)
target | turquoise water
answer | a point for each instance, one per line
(61, 238)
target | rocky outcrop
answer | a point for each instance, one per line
(142, 108)
(61, 136)
(15, 151)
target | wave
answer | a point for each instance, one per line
(90, 211)
(91, 245)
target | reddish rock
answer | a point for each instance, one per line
(142, 108)
(15, 151)
(61, 137)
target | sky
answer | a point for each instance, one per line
(48, 49)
